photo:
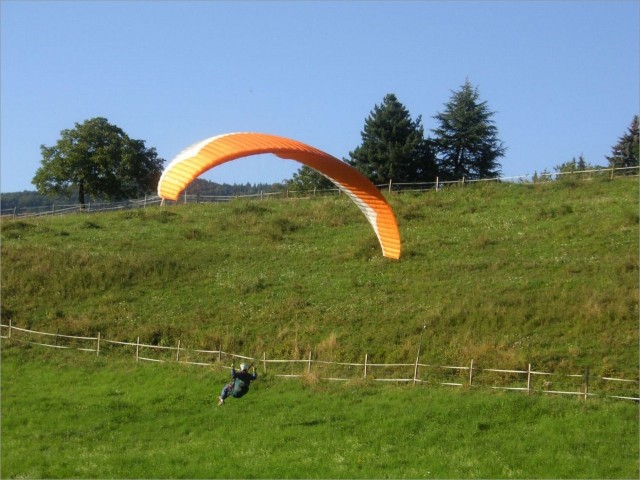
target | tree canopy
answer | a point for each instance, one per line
(466, 140)
(306, 178)
(393, 146)
(97, 159)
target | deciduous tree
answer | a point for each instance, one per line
(100, 160)
(306, 179)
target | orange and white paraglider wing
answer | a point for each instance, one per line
(214, 151)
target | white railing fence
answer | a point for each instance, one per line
(391, 186)
(527, 380)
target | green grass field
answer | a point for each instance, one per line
(502, 274)
(67, 415)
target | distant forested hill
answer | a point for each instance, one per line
(30, 199)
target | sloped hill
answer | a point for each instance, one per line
(501, 273)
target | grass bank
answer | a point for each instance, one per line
(505, 274)
(66, 416)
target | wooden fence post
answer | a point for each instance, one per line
(529, 380)
(178, 352)
(366, 359)
(471, 373)
(390, 184)
(264, 361)
(220, 354)
(98, 346)
(437, 183)
(309, 367)
(9, 329)
(415, 369)
(138, 349)
(586, 383)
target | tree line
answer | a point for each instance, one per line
(464, 145)
(394, 147)
(98, 161)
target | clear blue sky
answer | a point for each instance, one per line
(562, 76)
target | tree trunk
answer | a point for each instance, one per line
(81, 194)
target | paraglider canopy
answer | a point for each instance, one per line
(214, 151)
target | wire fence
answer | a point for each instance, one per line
(527, 380)
(391, 186)
(544, 177)
(91, 207)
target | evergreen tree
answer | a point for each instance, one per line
(576, 168)
(393, 146)
(467, 141)
(625, 152)
(582, 164)
(574, 165)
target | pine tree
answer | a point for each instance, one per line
(467, 141)
(582, 164)
(393, 146)
(625, 152)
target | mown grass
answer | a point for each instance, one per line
(72, 415)
(505, 274)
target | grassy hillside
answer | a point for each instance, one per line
(504, 274)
